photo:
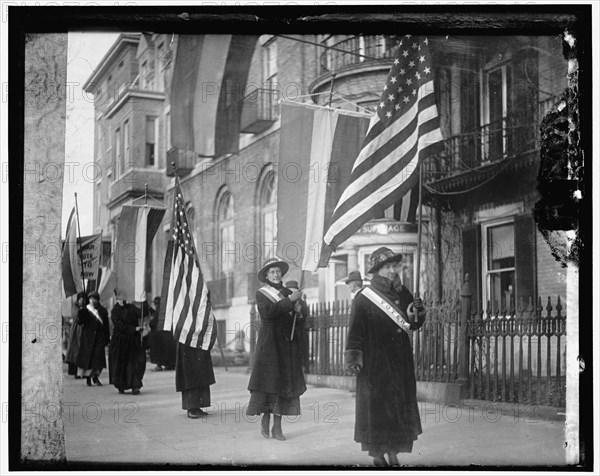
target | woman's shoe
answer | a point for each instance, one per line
(380, 461)
(196, 413)
(135, 391)
(264, 424)
(121, 390)
(276, 431)
(88, 381)
(393, 459)
(96, 380)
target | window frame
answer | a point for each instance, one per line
(485, 271)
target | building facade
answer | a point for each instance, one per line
(479, 192)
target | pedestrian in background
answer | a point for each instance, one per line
(126, 355)
(95, 335)
(162, 345)
(379, 352)
(277, 381)
(355, 283)
(74, 338)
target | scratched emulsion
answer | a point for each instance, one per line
(561, 166)
(42, 431)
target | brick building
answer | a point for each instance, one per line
(480, 191)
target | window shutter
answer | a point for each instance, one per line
(471, 240)
(525, 260)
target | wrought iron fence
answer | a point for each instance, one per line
(509, 356)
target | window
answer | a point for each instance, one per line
(499, 265)
(126, 152)
(270, 65)
(226, 242)
(119, 152)
(151, 135)
(496, 87)
(500, 258)
(268, 207)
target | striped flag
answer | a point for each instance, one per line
(403, 132)
(71, 265)
(317, 149)
(135, 231)
(209, 83)
(185, 305)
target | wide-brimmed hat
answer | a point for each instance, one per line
(94, 294)
(292, 285)
(262, 274)
(382, 256)
(81, 294)
(353, 276)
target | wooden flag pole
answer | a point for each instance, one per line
(419, 232)
(79, 244)
(295, 313)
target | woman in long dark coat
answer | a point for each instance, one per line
(127, 357)
(277, 380)
(163, 347)
(91, 358)
(379, 352)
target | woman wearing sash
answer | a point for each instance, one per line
(277, 380)
(379, 352)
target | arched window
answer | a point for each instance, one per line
(268, 216)
(190, 213)
(226, 233)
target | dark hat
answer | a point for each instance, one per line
(382, 256)
(292, 284)
(353, 276)
(81, 294)
(94, 294)
(270, 263)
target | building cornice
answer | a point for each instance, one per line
(120, 43)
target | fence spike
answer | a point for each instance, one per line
(530, 308)
(558, 307)
(488, 311)
(549, 307)
(540, 307)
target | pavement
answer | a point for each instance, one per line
(103, 427)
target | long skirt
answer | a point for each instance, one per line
(127, 362)
(262, 402)
(196, 397)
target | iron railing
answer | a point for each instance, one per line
(515, 356)
(371, 48)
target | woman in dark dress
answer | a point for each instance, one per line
(277, 380)
(126, 355)
(379, 352)
(91, 357)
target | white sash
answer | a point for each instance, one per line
(271, 293)
(383, 304)
(94, 311)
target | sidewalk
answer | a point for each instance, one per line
(102, 426)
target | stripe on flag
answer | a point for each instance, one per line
(136, 228)
(185, 308)
(71, 267)
(317, 149)
(404, 131)
(209, 83)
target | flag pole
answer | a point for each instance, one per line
(196, 254)
(79, 244)
(420, 231)
(295, 313)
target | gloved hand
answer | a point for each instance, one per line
(353, 369)
(418, 304)
(297, 306)
(296, 294)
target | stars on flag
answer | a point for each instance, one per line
(412, 57)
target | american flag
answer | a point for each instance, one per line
(185, 306)
(404, 130)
